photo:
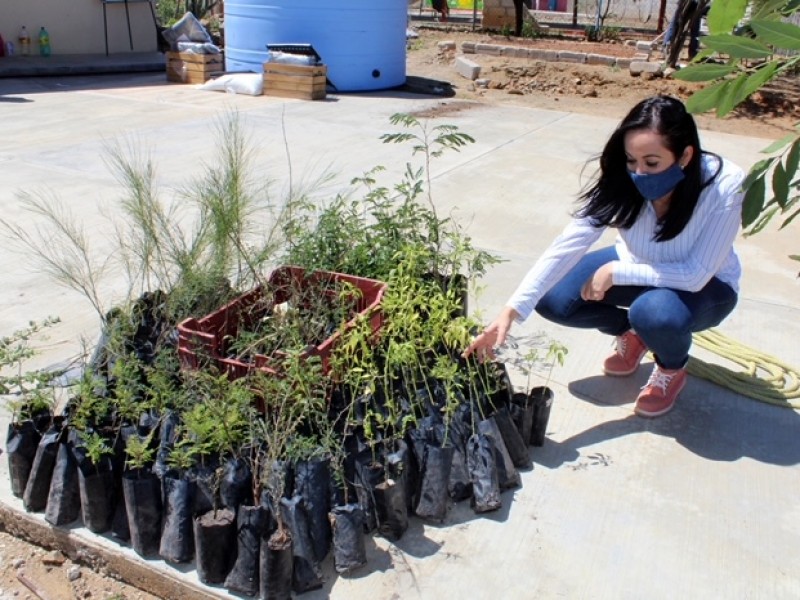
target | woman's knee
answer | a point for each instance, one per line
(660, 310)
(556, 307)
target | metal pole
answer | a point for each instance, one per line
(474, 13)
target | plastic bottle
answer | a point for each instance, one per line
(44, 42)
(24, 39)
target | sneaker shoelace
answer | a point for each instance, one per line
(659, 379)
(622, 343)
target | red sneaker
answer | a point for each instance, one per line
(660, 392)
(626, 358)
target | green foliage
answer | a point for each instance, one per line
(30, 391)
(603, 33)
(96, 446)
(539, 358)
(744, 59)
(219, 419)
(752, 56)
(200, 8)
(238, 232)
(531, 30)
(169, 11)
(140, 451)
(291, 403)
(367, 236)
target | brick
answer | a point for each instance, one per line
(468, 47)
(490, 49)
(638, 67)
(600, 59)
(539, 54)
(571, 57)
(623, 63)
(644, 47)
(467, 68)
(446, 45)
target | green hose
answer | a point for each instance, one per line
(765, 378)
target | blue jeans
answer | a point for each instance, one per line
(664, 318)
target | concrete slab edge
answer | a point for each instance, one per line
(133, 570)
(81, 69)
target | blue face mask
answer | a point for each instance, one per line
(657, 185)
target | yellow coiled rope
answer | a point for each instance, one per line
(765, 378)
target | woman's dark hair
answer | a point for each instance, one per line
(613, 199)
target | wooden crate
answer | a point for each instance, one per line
(186, 67)
(295, 81)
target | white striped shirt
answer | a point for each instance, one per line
(704, 249)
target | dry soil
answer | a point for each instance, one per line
(592, 89)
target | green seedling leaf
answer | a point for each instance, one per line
(793, 215)
(767, 9)
(703, 72)
(724, 16)
(778, 34)
(753, 202)
(793, 159)
(762, 222)
(759, 77)
(778, 144)
(756, 171)
(736, 46)
(707, 98)
(732, 96)
(780, 185)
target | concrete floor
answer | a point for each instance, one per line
(700, 503)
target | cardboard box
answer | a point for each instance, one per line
(295, 81)
(186, 67)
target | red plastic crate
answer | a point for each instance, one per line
(203, 341)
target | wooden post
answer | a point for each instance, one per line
(662, 12)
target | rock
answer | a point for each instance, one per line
(74, 573)
(640, 67)
(483, 83)
(467, 68)
(515, 91)
(18, 563)
(590, 92)
(54, 558)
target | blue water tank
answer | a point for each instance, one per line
(362, 43)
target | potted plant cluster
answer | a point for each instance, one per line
(256, 420)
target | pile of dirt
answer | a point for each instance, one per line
(582, 88)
